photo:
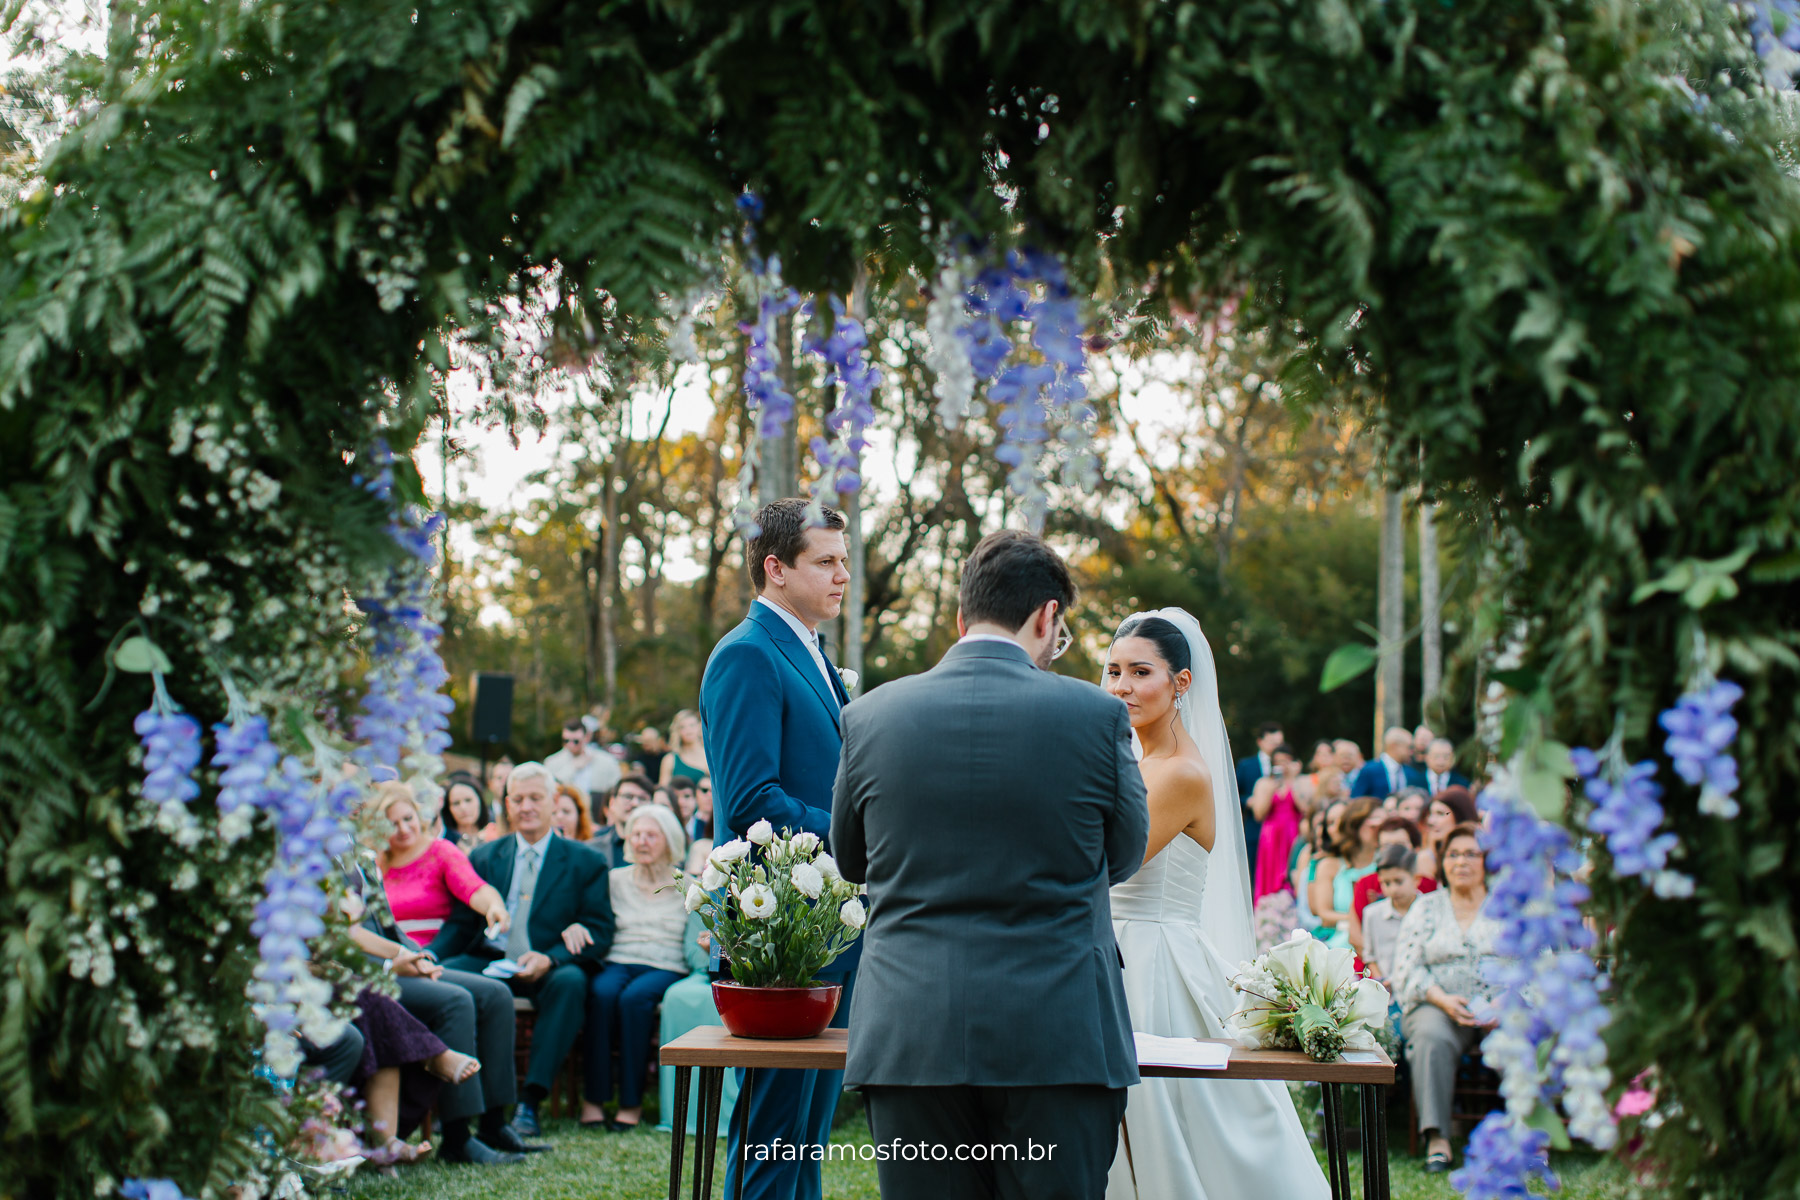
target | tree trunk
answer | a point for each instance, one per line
(1390, 707)
(1431, 635)
(779, 469)
(610, 546)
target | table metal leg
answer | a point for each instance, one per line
(1337, 1163)
(1374, 1146)
(742, 1117)
(678, 1142)
(712, 1086)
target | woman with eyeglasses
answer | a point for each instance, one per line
(1440, 977)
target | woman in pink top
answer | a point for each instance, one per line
(424, 875)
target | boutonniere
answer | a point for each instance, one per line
(849, 677)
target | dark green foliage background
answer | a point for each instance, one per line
(1577, 292)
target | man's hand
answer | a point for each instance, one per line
(576, 937)
(533, 966)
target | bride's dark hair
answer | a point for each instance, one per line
(1169, 641)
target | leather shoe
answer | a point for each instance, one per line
(480, 1153)
(507, 1138)
(525, 1120)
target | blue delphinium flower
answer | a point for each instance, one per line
(1701, 729)
(172, 749)
(847, 367)
(246, 756)
(151, 1189)
(1502, 1158)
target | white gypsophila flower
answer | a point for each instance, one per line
(852, 913)
(946, 353)
(762, 833)
(807, 880)
(696, 897)
(732, 851)
(827, 866)
(712, 879)
(805, 843)
(758, 902)
(235, 825)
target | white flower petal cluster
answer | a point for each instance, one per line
(696, 897)
(757, 902)
(827, 866)
(733, 851)
(712, 879)
(852, 913)
(805, 843)
(807, 880)
(762, 833)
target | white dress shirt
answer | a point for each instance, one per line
(808, 638)
(1268, 762)
(1437, 781)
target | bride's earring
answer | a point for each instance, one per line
(1181, 701)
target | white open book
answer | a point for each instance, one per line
(1154, 1051)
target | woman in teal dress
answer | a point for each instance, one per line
(688, 1004)
(1334, 885)
(687, 749)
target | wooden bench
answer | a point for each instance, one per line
(710, 1049)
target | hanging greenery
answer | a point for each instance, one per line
(1553, 241)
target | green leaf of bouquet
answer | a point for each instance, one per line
(1544, 1117)
(141, 656)
(1346, 663)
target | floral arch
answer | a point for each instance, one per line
(1559, 238)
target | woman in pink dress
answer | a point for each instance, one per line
(1274, 804)
(424, 876)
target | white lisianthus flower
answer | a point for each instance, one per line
(849, 677)
(730, 852)
(758, 902)
(696, 897)
(762, 833)
(852, 913)
(712, 879)
(827, 866)
(805, 842)
(807, 880)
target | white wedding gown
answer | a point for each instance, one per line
(1195, 1138)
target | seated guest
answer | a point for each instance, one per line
(609, 839)
(581, 763)
(549, 883)
(1396, 868)
(1394, 830)
(466, 818)
(1445, 948)
(1352, 856)
(1448, 809)
(426, 878)
(471, 1013)
(1309, 850)
(1440, 767)
(1392, 771)
(1411, 802)
(1349, 759)
(687, 749)
(700, 825)
(688, 1004)
(402, 1067)
(646, 957)
(569, 814)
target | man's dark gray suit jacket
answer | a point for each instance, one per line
(989, 806)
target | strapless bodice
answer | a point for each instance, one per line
(1169, 886)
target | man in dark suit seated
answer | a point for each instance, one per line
(550, 883)
(1392, 771)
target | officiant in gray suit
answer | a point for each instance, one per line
(989, 805)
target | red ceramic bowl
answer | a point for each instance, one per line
(785, 1013)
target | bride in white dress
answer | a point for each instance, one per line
(1183, 926)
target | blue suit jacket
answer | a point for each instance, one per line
(1372, 780)
(773, 735)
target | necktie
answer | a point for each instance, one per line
(1395, 777)
(517, 942)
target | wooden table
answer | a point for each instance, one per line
(712, 1050)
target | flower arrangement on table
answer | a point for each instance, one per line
(1303, 995)
(781, 916)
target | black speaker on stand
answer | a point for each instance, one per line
(490, 713)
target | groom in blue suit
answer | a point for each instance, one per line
(769, 705)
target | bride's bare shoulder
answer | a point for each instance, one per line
(1181, 773)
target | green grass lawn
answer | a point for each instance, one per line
(590, 1165)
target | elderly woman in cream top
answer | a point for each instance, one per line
(645, 960)
(1440, 976)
